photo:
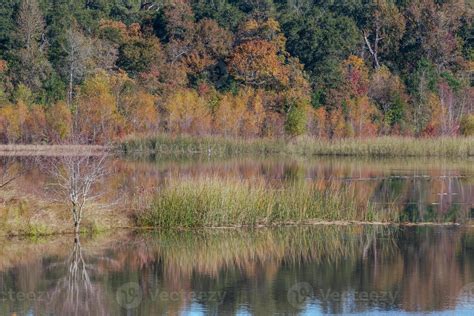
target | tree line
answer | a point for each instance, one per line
(105, 69)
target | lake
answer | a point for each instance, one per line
(290, 270)
(287, 271)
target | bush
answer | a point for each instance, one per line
(296, 121)
(467, 125)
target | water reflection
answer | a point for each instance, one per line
(292, 270)
(74, 292)
(421, 190)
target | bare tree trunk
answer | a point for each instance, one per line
(69, 94)
(373, 51)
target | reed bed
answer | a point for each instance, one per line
(389, 146)
(213, 202)
(189, 145)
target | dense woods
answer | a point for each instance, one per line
(105, 69)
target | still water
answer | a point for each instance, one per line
(286, 271)
(273, 271)
(420, 190)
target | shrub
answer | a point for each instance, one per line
(467, 125)
(296, 121)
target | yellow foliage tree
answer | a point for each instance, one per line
(59, 122)
(317, 122)
(338, 124)
(187, 113)
(9, 124)
(228, 118)
(98, 120)
(140, 112)
(254, 117)
(35, 129)
(360, 112)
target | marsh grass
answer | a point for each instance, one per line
(305, 146)
(189, 145)
(213, 202)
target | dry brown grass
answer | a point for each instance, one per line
(51, 150)
(30, 215)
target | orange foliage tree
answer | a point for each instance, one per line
(356, 110)
(257, 63)
(259, 58)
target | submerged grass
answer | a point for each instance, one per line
(306, 146)
(228, 202)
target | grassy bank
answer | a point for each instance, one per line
(30, 215)
(216, 202)
(460, 147)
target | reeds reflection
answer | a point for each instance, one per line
(225, 271)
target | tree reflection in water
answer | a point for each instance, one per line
(424, 268)
(75, 293)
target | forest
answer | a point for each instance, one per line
(103, 70)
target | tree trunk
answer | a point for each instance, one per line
(76, 227)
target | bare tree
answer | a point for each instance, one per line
(74, 181)
(78, 49)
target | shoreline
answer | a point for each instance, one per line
(50, 150)
(164, 144)
(309, 223)
(378, 147)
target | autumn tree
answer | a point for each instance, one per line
(296, 119)
(387, 90)
(228, 118)
(187, 113)
(139, 112)
(360, 113)
(257, 63)
(260, 59)
(422, 85)
(254, 117)
(59, 122)
(211, 44)
(96, 118)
